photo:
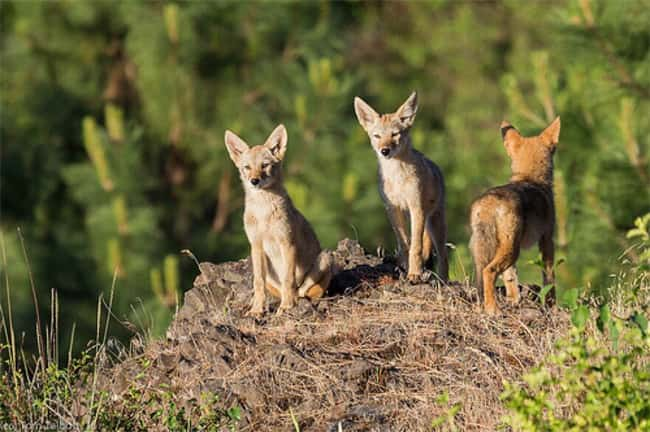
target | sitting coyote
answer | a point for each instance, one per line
(286, 255)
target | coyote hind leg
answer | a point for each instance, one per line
(318, 279)
(505, 256)
(512, 284)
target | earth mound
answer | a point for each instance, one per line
(377, 354)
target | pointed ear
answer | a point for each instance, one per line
(277, 142)
(406, 112)
(551, 135)
(509, 134)
(506, 127)
(365, 114)
(236, 146)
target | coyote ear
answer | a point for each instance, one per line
(509, 134)
(506, 127)
(406, 112)
(277, 142)
(365, 114)
(551, 135)
(236, 146)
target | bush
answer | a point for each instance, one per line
(586, 385)
(599, 377)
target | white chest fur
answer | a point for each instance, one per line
(266, 215)
(266, 220)
(398, 182)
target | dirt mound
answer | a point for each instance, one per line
(375, 355)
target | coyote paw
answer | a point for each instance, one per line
(513, 300)
(257, 307)
(491, 309)
(285, 306)
(255, 312)
(414, 278)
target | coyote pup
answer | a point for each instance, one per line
(286, 255)
(411, 186)
(518, 214)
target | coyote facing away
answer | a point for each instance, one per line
(411, 186)
(286, 255)
(518, 214)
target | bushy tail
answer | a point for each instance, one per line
(320, 274)
(483, 245)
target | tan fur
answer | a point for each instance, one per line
(519, 214)
(411, 186)
(286, 255)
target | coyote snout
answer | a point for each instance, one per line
(519, 214)
(411, 186)
(388, 142)
(286, 255)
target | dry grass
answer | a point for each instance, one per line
(376, 356)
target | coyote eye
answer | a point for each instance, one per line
(265, 165)
(377, 136)
(394, 134)
(247, 167)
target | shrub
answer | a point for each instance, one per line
(599, 377)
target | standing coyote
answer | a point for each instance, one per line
(411, 186)
(286, 255)
(518, 214)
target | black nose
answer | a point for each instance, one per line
(255, 181)
(385, 151)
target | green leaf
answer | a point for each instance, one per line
(544, 292)
(438, 421)
(641, 322)
(613, 334)
(604, 317)
(635, 232)
(580, 316)
(569, 298)
(234, 413)
(443, 399)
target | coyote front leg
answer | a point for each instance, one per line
(398, 222)
(415, 249)
(259, 278)
(288, 285)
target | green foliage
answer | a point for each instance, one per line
(599, 377)
(33, 397)
(641, 234)
(140, 411)
(60, 398)
(586, 386)
(546, 289)
(445, 422)
(53, 397)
